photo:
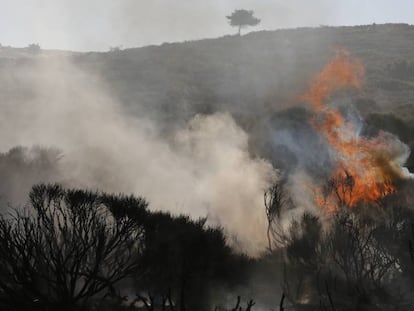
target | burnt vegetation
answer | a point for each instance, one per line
(73, 249)
(361, 260)
(76, 249)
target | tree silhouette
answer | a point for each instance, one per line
(65, 249)
(242, 19)
(183, 259)
(275, 199)
(356, 261)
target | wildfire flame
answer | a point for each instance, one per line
(363, 170)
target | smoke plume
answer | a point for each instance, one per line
(202, 169)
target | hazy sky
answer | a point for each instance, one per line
(99, 24)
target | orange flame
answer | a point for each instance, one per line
(361, 173)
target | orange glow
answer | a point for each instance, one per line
(342, 72)
(362, 173)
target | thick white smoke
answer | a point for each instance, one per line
(202, 170)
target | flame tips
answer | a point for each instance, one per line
(362, 173)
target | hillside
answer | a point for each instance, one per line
(265, 70)
(252, 76)
(271, 167)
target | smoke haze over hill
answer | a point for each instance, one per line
(275, 165)
(133, 122)
(204, 169)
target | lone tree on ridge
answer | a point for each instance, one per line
(242, 19)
